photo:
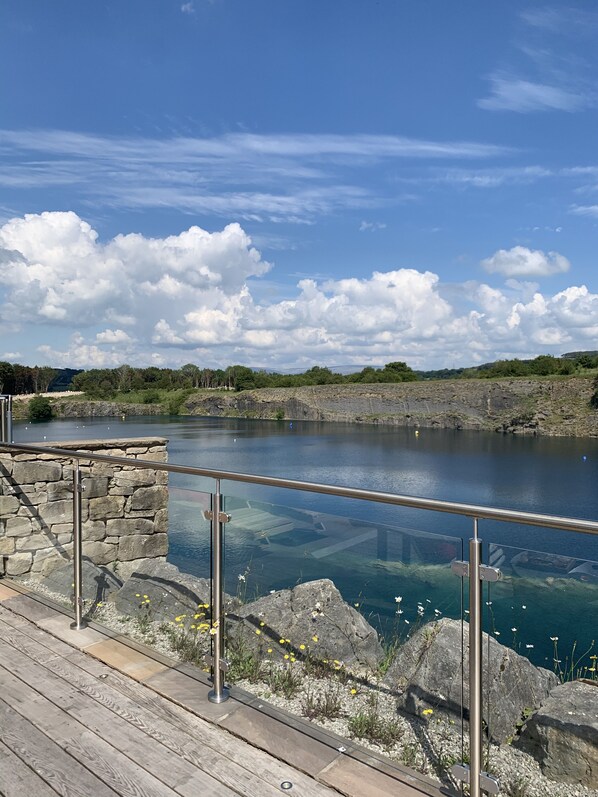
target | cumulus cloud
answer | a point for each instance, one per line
(55, 270)
(191, 297)
(523, 262)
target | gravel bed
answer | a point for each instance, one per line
(429, 744)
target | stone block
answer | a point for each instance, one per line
(95, 487)
(18, 527)
(122, 490)
(9, 505)
(56, 512)
(161, 521)
(7, 545)
(135, 478)
(19, 563)
(161, 477)
(149, 498)
(33, 542)
(62, 528)
(59, 491)
(41, 557)
(93, 530)
(100, 553)
(142, 546)
(125, 526)
(102, 469)
(110, 506)
(31, 472)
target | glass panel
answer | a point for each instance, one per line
(540, 661)
(352, 624)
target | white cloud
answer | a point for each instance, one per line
(523, 262)
(585, 210)
(187, 8)
(371, 226)
(55, 270)
(282, 178)
(524, 96)
(191, 297)
(113, 336)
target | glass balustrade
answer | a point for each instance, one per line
(354, 626)
(540, 673)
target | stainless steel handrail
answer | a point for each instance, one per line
(414, 502)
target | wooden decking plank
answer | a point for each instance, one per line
(130, 762)
(17, 779)
(66, 775)
(218, 755)
(251, 772)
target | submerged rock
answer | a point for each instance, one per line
(563, 734)
(314, 615)
(427, 674)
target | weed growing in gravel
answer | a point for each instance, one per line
(325, 704)
(368, 724)
(285, 681)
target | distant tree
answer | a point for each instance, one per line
(544, 365)
(7, 378)
(193, 374)
(399, 372)
(40, 409)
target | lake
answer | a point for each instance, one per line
(376, 553)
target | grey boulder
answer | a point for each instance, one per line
(314, 615)
(563, 734)
(426, 674)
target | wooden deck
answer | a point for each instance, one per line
(74, 722)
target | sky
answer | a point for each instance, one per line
(289, 183)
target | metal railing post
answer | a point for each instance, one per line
(3, 438)
(475, 662)
(9, 419)
(476, 572)
(219, 692)
(79, 622)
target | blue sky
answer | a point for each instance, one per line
(284, 183)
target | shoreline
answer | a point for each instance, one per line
(553, 406)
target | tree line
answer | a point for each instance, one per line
(107, 382)
(18, 379)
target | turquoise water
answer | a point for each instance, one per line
(375, 553)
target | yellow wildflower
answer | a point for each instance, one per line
(314, 638)
(427, 711)
(257, 631)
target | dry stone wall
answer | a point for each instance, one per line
(124, 508)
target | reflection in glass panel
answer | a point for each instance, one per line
(349, 622)
(540, 660)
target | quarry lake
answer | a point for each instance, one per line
(376, 553)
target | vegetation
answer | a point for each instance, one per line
(17, 379)
(171, 387)
(40, 409)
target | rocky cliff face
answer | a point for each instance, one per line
(520, 406)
